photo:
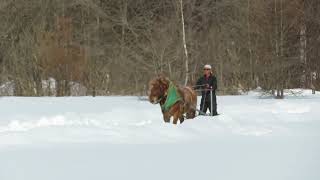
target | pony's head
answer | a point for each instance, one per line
(157, 89)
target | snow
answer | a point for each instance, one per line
(118, 137)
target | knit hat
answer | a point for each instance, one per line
(207, 66)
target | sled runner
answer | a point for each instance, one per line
(201, 113)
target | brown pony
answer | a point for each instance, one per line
(158, 92)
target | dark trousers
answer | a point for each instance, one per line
(206, 104)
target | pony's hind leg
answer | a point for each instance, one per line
(181, 118)
(191, 114)
(166, 117)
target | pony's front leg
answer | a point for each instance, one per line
(177, 112)
(166, 117)
(175, 118)
(181, 117)
(178, 115)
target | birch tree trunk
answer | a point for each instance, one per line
(124, 21)
(250, 49)
(281, 50)
(184, 44)
(303, 51)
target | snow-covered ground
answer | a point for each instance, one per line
(85, 138)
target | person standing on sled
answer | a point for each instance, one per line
(206, 83)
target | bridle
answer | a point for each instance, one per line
(161, 98)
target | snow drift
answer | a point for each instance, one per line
(124, 138)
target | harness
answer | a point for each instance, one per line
(172, 97)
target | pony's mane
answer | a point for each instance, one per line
(160, 79)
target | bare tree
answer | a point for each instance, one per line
(115, 47)
(184, 43)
